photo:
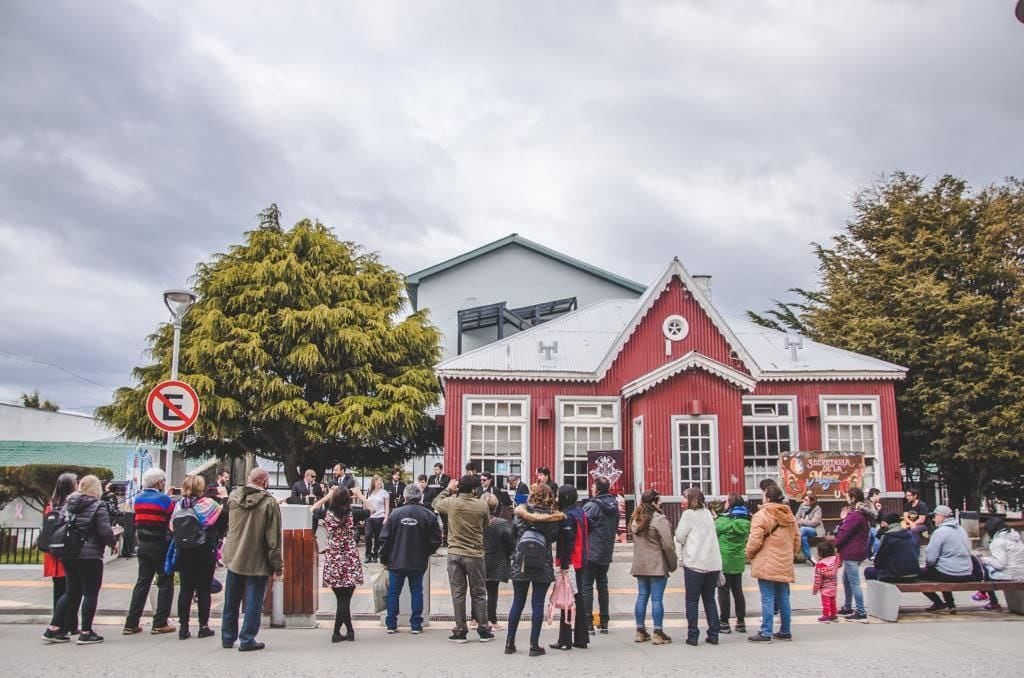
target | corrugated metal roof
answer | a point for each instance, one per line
(102, 455)
(585, 336)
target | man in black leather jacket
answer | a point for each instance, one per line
(410, 535)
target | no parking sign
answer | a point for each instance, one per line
(172, 406)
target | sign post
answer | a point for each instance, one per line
(172, 406)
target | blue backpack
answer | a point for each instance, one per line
(533, 550)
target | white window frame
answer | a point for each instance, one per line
(715, 450)
(876, 419)
(761, 419)
(637, 451)
(469, 400)
(560, 421)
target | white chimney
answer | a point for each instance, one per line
(704, 283)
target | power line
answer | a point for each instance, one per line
(55, 366)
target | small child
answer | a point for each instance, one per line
(825, 580)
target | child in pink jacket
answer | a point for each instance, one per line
(825, 580)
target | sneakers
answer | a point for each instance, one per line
(641, 636)
(845, 611)
(993, 607)
(485, 635)
(661, 638)
(759, 638)
(415, 632)
(458, 637)
(856, 616)
(255, 647)
(391, 631)
(131, 630)
(166, 628)
(88, 638)
(782, 636)
(603, 629)
(979, 596)
(723, 628)
(57, 636)
(741, 627)
(825, 619)
(936, 607)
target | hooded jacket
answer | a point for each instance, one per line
(733, 529)
(897, 556)
(92, 518)
(603, 512)
(410, 535)
(698, 541)
(949, 550)
(853, 536)
(253, 543)
(1007, 555)
(774, 540)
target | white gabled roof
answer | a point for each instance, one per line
(591, 338)
(689, 361)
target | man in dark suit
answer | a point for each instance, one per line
(488, 486)
(305, 488)
(342, 477)
(435, 483)
(395, 489)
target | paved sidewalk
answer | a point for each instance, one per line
(23, 590)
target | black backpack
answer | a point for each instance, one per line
(66, 536)
(188, 533)
(52, 521)
(533, 550)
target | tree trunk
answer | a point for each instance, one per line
(291, 466)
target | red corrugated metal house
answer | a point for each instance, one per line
(693, 398)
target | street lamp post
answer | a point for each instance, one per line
(178, 302)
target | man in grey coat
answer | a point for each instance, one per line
(947, 558)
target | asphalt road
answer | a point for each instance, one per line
(946, 647)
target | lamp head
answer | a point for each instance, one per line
(178, 302)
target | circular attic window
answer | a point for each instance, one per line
(675, 328)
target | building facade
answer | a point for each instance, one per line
(691, 397)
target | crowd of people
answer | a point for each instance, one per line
(535, 537)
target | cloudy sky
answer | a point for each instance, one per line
(139, 138)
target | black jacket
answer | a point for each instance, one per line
(299, 492)
(502, 495)
(897, 556)
(435, 484)
(410, 535)
(498, 547)
(550, 532)
(603, 511)
(396, 493)
(92, 518)
(346, 481)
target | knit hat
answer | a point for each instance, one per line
(891, 519)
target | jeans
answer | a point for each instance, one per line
(873, 541)
(852, 591)
(774, 595)
(83, 580)
(700, 587)
(806, 533)
(252, 590)
(596, 573)
(396, 580)
(733, 585)
(519, 591)
(465, 573)
(195, 567)
(151, 557)
(492, 601)
(578, 633)
(373, 528)
(653, 589)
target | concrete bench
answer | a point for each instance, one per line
(883, 598)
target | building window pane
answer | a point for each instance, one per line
(695, 456)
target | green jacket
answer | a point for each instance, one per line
(468, 517)
(253, 543)
(733, 530)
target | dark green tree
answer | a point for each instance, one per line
(33, 401)
(932, 277)
(299, 349)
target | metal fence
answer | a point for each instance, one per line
(18, 546)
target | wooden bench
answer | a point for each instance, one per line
(883, 598)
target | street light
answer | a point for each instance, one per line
(178, 302)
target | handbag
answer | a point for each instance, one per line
(562, 598)
(380, 591)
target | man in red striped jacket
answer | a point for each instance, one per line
(153, 509)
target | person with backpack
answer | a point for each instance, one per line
(87, 533)
(410, 536)
(654, 559)
(153, 509)
(603, 512)
(573, 551)
(733, 529)
(499, 543)
(702, 563)
(196, 524)
(468, 517)
(774, 540)
(53, 568)
(537, 527)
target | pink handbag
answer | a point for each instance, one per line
(562, 597)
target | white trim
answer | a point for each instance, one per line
(766, 420)
(639, 463)
(834, 375)
(615, 422)
(691, 359)
(876, 401)
(676, 419)
(525, 420)
(676, 270)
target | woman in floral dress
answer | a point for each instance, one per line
(342, 570)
